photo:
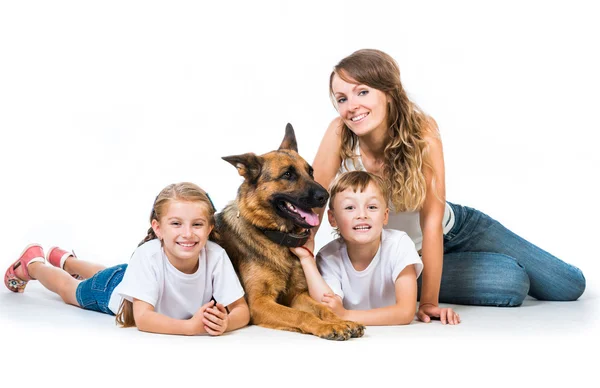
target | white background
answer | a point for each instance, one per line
(102, 104)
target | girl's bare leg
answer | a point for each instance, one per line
(85, 269)
(55, 280)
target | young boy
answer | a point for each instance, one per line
(368, 274)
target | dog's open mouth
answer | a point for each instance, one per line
(304, 218)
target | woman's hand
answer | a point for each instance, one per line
(446, 315)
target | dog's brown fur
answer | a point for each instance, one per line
(271, 274)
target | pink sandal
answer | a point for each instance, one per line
(31, 254)
(57, 257)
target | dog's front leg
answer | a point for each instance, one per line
(302, 301)
(263, 286)
(266, 312)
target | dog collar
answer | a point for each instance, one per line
(290, 240)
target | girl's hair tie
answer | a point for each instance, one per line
(211, 202)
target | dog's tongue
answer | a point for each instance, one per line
(311, 218)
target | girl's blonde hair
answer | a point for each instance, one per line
(406, 151)
(184, 191)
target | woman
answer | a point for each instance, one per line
(381, 131)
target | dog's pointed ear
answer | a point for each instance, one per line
(289, 140)
(248, 165)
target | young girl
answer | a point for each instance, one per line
(381, 131)
(176, 282)
(369, 274)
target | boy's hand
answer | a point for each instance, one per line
(197, 326)
(302, 253)
(446, 315)
(215, 319)
(334, 302)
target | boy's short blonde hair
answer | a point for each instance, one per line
(357, 181)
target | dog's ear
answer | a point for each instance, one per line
(248, 165)
(289, 140)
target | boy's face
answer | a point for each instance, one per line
(359, 216)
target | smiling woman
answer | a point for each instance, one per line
(365, 107)
(381, 131)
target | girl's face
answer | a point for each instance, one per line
(362, 108)
(359, 216)
(184, 230)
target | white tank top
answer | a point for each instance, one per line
(407, 222)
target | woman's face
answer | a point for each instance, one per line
(362, 108)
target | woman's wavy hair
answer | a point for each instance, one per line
(185, 191)
(406, 151)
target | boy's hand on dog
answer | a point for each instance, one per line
(302, 253)
(216, 319)
(334, 302)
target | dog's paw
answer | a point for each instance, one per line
(356, 329)
(335, 332)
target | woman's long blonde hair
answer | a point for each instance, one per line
(406, 151)
(184, 191)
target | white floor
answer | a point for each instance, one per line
(44, 341)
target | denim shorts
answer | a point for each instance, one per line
(94, 293)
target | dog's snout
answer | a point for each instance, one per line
(321, 196)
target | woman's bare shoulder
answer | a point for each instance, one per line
(327, 160)
(335, 127)
(431, 132)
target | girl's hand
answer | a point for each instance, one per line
(215, 320)
(196, 322)
(334, 302)
(446, 315)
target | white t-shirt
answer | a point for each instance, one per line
(152, 278)
(373, 287)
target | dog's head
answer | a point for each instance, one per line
(279, 190)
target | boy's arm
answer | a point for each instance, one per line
(239, 314)
(402, 313)
(317, 286)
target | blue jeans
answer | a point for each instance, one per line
(488, 265)
(94, 293)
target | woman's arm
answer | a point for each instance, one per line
(326, 165)
(401, 313)
(431, 216)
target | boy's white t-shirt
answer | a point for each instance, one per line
(150, 277)
(373, 287)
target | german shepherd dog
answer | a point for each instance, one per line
(272, 212)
